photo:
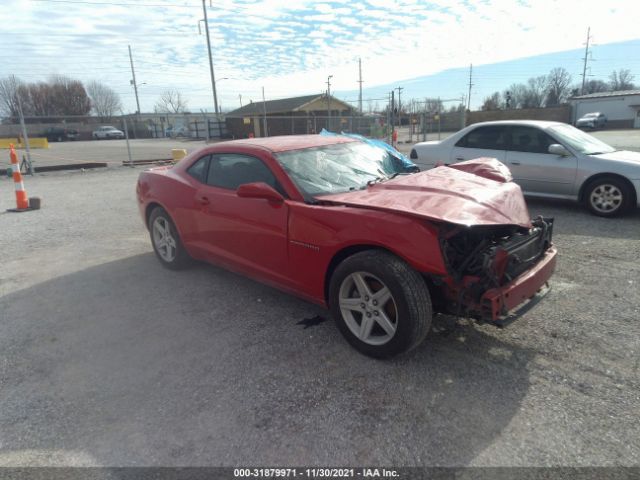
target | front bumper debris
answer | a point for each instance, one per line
(506, 303)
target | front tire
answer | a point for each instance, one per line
(607, 197)
(166, 241)
(381, 305)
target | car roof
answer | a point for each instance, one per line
(284, 143)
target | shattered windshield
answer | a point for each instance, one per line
(339, 168)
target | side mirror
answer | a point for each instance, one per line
(259, 190)
(557, 149)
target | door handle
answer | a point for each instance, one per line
(203, 200)
(515, 163)
(459, 159)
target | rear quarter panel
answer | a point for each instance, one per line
(166, 188)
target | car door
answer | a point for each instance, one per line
(249, 234)
(484, 141)
(534, 168)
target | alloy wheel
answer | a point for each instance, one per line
(606, 198)
(368, 308)
(163, 239)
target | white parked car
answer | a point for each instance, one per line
(592, 120)
(107, 132)
(547, 159)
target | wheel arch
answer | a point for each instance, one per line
(350, 250)
(147, 213)
(622, 178)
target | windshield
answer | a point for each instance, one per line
(580, 141)
(338, 168)
(590, 115)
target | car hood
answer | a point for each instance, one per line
(620, 156)
(443, 194)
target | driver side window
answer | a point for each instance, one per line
(229, 171)
(491, 137)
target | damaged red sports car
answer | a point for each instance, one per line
(351, 226)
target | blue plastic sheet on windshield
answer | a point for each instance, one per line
(408, 164)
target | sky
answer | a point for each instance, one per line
(290, 47)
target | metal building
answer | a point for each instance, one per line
(621, 108)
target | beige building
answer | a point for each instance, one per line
(289, 116)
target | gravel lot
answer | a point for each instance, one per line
(106, 358)
(112, 152)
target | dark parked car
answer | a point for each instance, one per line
(60, 134)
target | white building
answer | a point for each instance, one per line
(621, 108)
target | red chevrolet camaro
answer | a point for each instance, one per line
(350, 226)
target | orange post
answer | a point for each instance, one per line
(22, 201)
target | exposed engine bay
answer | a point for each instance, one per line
(483, 257)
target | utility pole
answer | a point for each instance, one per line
(360, 82)
(586, 56)
(389, 119)
(264, 114)
(25, 136)
(393, 116)
(329, 102)
(470, 85)
(399, 105)
(213, 77)
(133, 81)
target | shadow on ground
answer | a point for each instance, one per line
(130, 364)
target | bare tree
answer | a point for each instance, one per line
(492, 102)
(68, 96)
(593, 86)
(105, 102)
(535, 92)
(171, 101)
(9, 87)
(558, 87)
(514, 96)
(621, 80)
(433, 105)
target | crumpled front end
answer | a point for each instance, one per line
(493, 270)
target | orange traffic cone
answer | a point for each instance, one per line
(22, 201)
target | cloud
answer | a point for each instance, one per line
(290, 47)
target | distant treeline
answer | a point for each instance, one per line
(554, 89)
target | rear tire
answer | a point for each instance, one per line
(381, 305)
(166, 241)
(607, 196)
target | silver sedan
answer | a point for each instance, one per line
(547, 159)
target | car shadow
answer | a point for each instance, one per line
(128, 363)
(574, 219)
